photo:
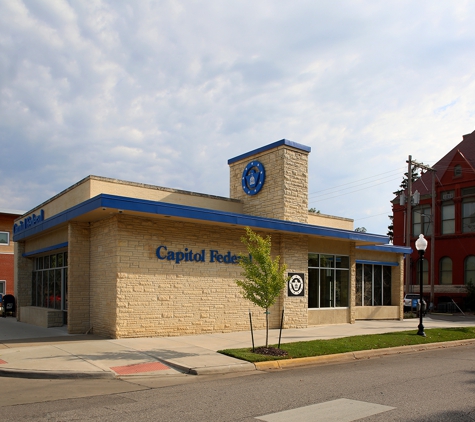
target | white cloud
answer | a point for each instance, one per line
(165, 92)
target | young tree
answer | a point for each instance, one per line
(264, 277)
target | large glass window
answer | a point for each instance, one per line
(421, 221)
(445, 273)
(469, 270)
(448, 218)
(328, 281)
(49, 281)
(373, 285)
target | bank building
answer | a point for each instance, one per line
(124, 259)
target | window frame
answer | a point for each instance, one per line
(362, 283)
(443, 271)
(8, 238)
(471, 270)
(445, 227)
(470, 217)
(328, 292)
(424, 223)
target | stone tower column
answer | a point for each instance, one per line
(272, 182)
(282, 170)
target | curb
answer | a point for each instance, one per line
(224, 369)
(38, 374)
(243, 366)
(359, 355)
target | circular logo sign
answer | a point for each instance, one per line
(296, 285)
(253, 177)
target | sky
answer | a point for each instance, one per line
(165, 92)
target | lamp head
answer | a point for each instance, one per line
(421, 243)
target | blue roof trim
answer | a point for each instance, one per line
(48, 249)
(194, 213)
(387, 248)
(364, 261)
(268, 147)
(62, 217)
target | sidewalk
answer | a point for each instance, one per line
(34, 352)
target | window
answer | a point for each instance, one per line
(328, 281)
(469, 270)
(373, 285)
(445, 275)
(425, 272)
(4, 238)
(448, 218)
(468, 215)
(421, 221)
(458, 170)
(2, 287)
(49, 281)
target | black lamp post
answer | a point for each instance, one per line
(421, 246)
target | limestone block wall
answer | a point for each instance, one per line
(161, 297)
(294, 252)
(285, 192)
(23, 270)
(78, 278)
(104, 261)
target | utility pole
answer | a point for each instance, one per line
(408, 222)
(421, 166)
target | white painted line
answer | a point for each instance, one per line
(341, 410)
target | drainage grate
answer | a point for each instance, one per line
(139, 367)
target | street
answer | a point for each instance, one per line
(434, 385)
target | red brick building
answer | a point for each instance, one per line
(7, 218)
(449, 228)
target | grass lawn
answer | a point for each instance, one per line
(356, 343)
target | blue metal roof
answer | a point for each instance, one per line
(201, 214)
(268, 147)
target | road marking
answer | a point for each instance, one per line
(341, 410)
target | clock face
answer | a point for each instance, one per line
(253, 177)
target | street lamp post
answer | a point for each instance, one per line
(421, 246)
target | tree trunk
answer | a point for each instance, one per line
(267, 327)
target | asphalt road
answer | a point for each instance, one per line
(436, 385)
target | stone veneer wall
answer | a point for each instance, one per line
(285, 192)
(104, 261)
(294, 252)
(23, 270)
(78, 278)
(162, 298)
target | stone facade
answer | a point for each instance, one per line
(79, 280)
(285, 192)
(139, 268)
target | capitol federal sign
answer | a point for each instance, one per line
(188, 255)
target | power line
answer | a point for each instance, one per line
(358, 181)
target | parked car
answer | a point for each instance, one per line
(408, 300)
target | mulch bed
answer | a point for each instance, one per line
(270, 351)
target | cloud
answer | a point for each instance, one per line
(166, 92)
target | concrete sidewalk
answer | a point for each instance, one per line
(34, 352)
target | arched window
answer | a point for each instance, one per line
(445, 270)
(425, 272)
(469, 270)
